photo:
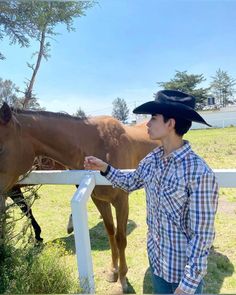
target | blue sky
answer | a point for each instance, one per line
(121, 48)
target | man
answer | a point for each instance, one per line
(181, 195)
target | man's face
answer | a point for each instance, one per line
(157, 128)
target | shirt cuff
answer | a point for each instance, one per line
(188, 285)
(111, 175)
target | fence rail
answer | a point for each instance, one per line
(87, 181)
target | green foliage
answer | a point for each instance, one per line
(14, 24)
(120, 110)
(9, 93)
(188, 83)
(222, 87)
(36, 270)
(25, 20)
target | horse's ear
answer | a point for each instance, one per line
(5, 113)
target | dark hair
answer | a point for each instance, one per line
(181, 125)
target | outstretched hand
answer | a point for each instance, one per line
(93, 163)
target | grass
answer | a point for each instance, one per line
(37, 270)
(218, 148)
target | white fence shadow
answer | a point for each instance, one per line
(87, 180)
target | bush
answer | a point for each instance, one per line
(37, 270)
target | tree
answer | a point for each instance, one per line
(80, 113)
(188, 83)
(14, 24)
(222, 87)
(42, 17)
(9, 93)
(120, 110)
(45, 16)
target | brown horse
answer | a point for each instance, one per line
(25, 135)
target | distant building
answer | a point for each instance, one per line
(210, 100)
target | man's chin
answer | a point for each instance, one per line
(152, 137)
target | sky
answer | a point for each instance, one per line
(122, 48)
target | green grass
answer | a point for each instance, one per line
(218, 148)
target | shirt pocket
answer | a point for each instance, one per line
(173, 200)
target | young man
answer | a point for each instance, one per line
(181, 195)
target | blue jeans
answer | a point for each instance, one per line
(160, 286)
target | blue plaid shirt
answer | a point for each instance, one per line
(181, 198)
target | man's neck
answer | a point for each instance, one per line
(172, 143)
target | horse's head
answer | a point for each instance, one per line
(12, 149)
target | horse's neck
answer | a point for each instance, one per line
(55, 137)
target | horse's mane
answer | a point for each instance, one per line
(16, 111)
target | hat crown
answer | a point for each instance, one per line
(175, 96)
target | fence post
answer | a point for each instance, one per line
(81, 233)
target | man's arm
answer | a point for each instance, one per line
(126, 181)
(203, 206)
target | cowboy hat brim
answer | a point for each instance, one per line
(170, 109)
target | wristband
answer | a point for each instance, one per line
(106, 172)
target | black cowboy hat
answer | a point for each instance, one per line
(173, 104)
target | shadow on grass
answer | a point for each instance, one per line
(98, 237)
(147, 282)
(219, 267)
(130, 288)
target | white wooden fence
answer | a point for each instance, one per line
(87, 181)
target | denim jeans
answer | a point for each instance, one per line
(160, 286)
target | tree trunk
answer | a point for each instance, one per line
(28, 92)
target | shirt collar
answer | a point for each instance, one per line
(178, 154)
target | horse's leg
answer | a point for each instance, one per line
(105, 210)
(70, 227)
(122, 210)
(17, 196)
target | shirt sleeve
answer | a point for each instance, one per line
(128, 181)
(203, 206)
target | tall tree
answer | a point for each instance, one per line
(120, 110)
(42, 17)
(222, 87)
(188, 83)
(45, 16)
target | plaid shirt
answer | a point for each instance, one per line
(181, 198)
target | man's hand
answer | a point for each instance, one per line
(93, 163)
(179, 291)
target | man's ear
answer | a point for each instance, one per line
(172, 123)
(5, 113)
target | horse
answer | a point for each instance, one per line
(26, 134)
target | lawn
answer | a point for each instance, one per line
(218, 148)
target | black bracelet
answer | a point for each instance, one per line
(106, 172)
